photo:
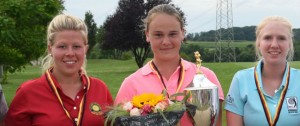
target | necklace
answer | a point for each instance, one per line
(76, 121)
(263, 100)
(180, 78)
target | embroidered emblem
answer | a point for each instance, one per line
(292, 104)
(229, 99)
(95, 108)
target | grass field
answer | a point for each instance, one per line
(213, 44)
(114, 71)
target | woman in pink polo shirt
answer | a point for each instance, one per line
(164, 29)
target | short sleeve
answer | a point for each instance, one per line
(213, 78)
(18, 113)
(234, 102)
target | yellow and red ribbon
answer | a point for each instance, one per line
(180, 79)
(263, 100)
(82, 102)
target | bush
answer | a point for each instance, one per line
(126, 55)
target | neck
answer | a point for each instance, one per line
(272, 77)
(70, 84)
(273, 71)
(64, 79)
(167, 68)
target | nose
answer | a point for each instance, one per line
(70, 51)
(166, 40)
(274, 43)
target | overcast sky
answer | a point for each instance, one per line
(200, 14)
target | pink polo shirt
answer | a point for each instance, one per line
(145, 80)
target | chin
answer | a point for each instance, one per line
(276, 61)
(71, 71)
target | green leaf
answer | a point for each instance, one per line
(162, 114)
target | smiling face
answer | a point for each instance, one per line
(165, 35)
(274, 42)
(68, 51)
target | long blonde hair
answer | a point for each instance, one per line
(60, 23)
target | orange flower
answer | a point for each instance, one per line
(149, 99)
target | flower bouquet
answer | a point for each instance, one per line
(146, 110)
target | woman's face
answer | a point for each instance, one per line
(68, 51)
(165, 35)
(274, 42)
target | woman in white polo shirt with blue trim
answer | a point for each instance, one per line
(267, 94)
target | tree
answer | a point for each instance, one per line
(92, 30)
(23, 30)
(189, 36)
(123, 29)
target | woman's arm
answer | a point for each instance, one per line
(234, 119)
(219, 121)
(17, 114)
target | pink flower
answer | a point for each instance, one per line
(135, 112)
(127, 106)
(170, 102)
(161, 105)
(146, 109)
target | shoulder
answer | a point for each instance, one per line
(188, 64)
(245, 72)
(244, 80)
(34, 83)
(294, 73)
(140, 73)
(94, 79)
(206, 70)
(295, 70)
(97, 82)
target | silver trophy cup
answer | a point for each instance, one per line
(204, 98)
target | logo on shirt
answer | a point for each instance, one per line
(95, 108)
(229, 99)
(292, 104)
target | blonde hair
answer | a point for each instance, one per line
(162, 9)
(60, 23)
(282, 21)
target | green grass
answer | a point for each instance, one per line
(205, 44)
(112, 72)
